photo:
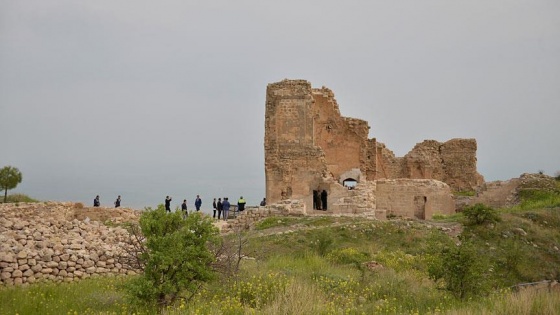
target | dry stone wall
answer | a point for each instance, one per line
(46, 241)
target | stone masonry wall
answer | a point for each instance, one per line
(46, 241)
(293, 164)
(342, 139)
(414, 198)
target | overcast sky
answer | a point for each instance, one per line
(153, 98)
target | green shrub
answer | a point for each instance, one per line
(177, 260)
(461, 270)
(479, 214)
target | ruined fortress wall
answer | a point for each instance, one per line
(310, 146)
(387, 164)
(453, 162)
(343, 140)
(414, 198)
(459, 159)
(292, 163)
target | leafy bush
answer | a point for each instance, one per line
(479, 214)
(461, 270)
(177, 260)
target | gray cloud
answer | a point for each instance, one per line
(147, 99)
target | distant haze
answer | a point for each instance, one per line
(153, 98)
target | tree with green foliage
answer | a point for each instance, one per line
(10, 177)
(177, 260)
(480, 213)
(461, 270)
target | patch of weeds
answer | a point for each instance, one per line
(321, 221)
(273, 222)
(465, 193)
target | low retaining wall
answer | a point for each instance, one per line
(41, 241)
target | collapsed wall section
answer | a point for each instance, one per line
(453, 162)
(342, 139)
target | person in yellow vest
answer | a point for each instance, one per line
(241, 204)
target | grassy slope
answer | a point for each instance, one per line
(314, 266)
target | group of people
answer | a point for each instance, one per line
(220, 207)
(197, 204)
(320, 200)
(97, 203)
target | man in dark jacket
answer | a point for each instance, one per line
(168, 204)
(219, 207)
(184, 208)
(198, 203)
(215, 207)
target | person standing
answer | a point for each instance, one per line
(316, 200)
(226, 206)
(241, 204)
(168, 204)
(215, 207)
(96, 201)
(184, 208)
(198, 203)
(220, 207)
(324, 200)
(118, 202)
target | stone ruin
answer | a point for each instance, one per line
(58, 242)
(311, 149)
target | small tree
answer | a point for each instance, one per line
(479, 214)
(461, 270)
(177, 260)
(10, 177)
